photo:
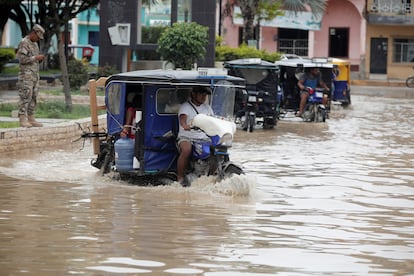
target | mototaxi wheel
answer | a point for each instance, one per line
(232, 169)
(252, 122)
(269, 122)
(249, 122)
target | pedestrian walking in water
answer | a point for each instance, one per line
(28, 79)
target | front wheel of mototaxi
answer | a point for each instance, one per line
(321, 114)
(232, 169)
(249, 122)
(269, 121)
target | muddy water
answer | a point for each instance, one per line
(318, 199)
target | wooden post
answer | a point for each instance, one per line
(94, 114)
(94, 110)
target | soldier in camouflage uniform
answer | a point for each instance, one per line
(28, 80)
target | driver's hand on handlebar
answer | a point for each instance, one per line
(186, 126)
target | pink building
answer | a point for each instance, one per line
(340, 33)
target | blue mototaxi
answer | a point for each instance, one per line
(290, 72)
(160, 92)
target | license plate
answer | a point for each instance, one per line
(252, 98)
(319, 94)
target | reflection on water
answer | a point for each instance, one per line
(333, 199)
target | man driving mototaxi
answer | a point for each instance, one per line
(188, 110)
(311, 79)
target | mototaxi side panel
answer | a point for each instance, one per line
(342, 82)
(115, 100)
(159, 151)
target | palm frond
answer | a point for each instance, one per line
(317, 7)
(294, 5)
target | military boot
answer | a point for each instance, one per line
(33, 122)
(23, 121)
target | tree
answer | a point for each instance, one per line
(183, 43)
(255, 10)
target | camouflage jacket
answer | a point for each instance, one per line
(26, 54)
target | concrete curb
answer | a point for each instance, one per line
(49, 137)
(386, 83)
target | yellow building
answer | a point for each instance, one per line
(389, 39)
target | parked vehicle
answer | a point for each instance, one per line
(151, 157)
(261, 103)
(290, 72)
(410, 81)
(341, 88)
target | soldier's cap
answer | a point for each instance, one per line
(39, 30)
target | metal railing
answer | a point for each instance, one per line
(394, 7)
(294, 46)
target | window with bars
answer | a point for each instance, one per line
(403, 50)
(294, 46)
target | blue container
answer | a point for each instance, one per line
(124, 154)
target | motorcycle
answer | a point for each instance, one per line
(247, 108)
(261, 102)
(210, 156)
(315, 109)
(150, 158)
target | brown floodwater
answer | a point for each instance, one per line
(334, 198)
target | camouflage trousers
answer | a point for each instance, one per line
(28, 88)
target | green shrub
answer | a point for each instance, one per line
(78, 73)
(183, 43)
(226, 53)
(6, 55)
(107, 70)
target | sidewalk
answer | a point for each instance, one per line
(12, 97)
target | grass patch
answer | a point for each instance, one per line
(14, 70)
(52, 110)
(6, 109)
(57, 110)
(9, 124)
(59, 92)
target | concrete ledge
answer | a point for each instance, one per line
(8, 82)
(388, 83)
(49, 137)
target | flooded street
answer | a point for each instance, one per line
(334, 198)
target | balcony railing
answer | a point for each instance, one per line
(390, 7)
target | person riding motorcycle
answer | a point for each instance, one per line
(311, 79)
(188, 110)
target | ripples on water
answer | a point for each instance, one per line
(333, 199)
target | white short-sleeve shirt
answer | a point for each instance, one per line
(189, 109)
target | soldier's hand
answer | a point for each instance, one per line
(40, 57)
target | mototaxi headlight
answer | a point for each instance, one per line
(260, 100)
(226, 140)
